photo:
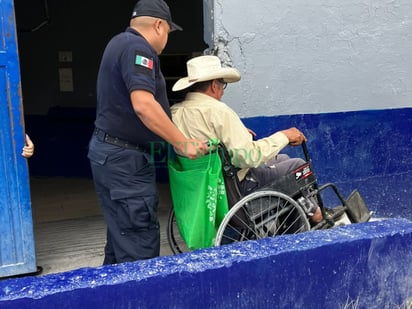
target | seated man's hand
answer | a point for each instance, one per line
(192, 148)
(295, 136)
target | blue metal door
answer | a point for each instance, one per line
(17, 254)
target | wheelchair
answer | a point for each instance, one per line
(279, 208)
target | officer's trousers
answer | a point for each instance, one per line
(125, 183)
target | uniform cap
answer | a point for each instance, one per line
(155, 8)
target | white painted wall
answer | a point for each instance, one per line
(315, 56)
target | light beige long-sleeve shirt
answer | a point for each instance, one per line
(202, 117)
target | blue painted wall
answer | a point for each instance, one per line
(368, 150)
(368, 263)
(61, 136)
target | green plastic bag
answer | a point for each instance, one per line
(199, 197)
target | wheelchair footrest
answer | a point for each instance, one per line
(356, 208)
(334, 213)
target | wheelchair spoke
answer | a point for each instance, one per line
(259, 215)
(262, 214)
(239, 231)
(176, 242)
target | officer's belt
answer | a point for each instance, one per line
(108, 139)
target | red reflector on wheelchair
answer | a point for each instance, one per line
(303, 172)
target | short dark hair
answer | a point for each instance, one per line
(200, 86)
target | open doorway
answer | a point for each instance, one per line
(60, 45)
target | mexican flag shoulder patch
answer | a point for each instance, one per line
(144, 62)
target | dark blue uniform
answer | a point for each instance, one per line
(119, 150)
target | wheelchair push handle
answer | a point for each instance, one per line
(213, 142)
(305, 151)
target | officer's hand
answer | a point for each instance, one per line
(192, 148)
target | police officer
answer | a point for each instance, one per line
(132, 115)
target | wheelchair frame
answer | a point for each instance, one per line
(279, 208)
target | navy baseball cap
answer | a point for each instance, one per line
(155, 8)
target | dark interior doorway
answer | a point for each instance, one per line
(60, 44)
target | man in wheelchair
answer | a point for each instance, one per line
(269, 194)
(203, 116)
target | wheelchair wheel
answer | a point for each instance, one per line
(262, 214)
(176, 242)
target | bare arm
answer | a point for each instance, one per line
(155, 119)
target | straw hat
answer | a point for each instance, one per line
(203, 68)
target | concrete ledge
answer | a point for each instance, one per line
(370, 263)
